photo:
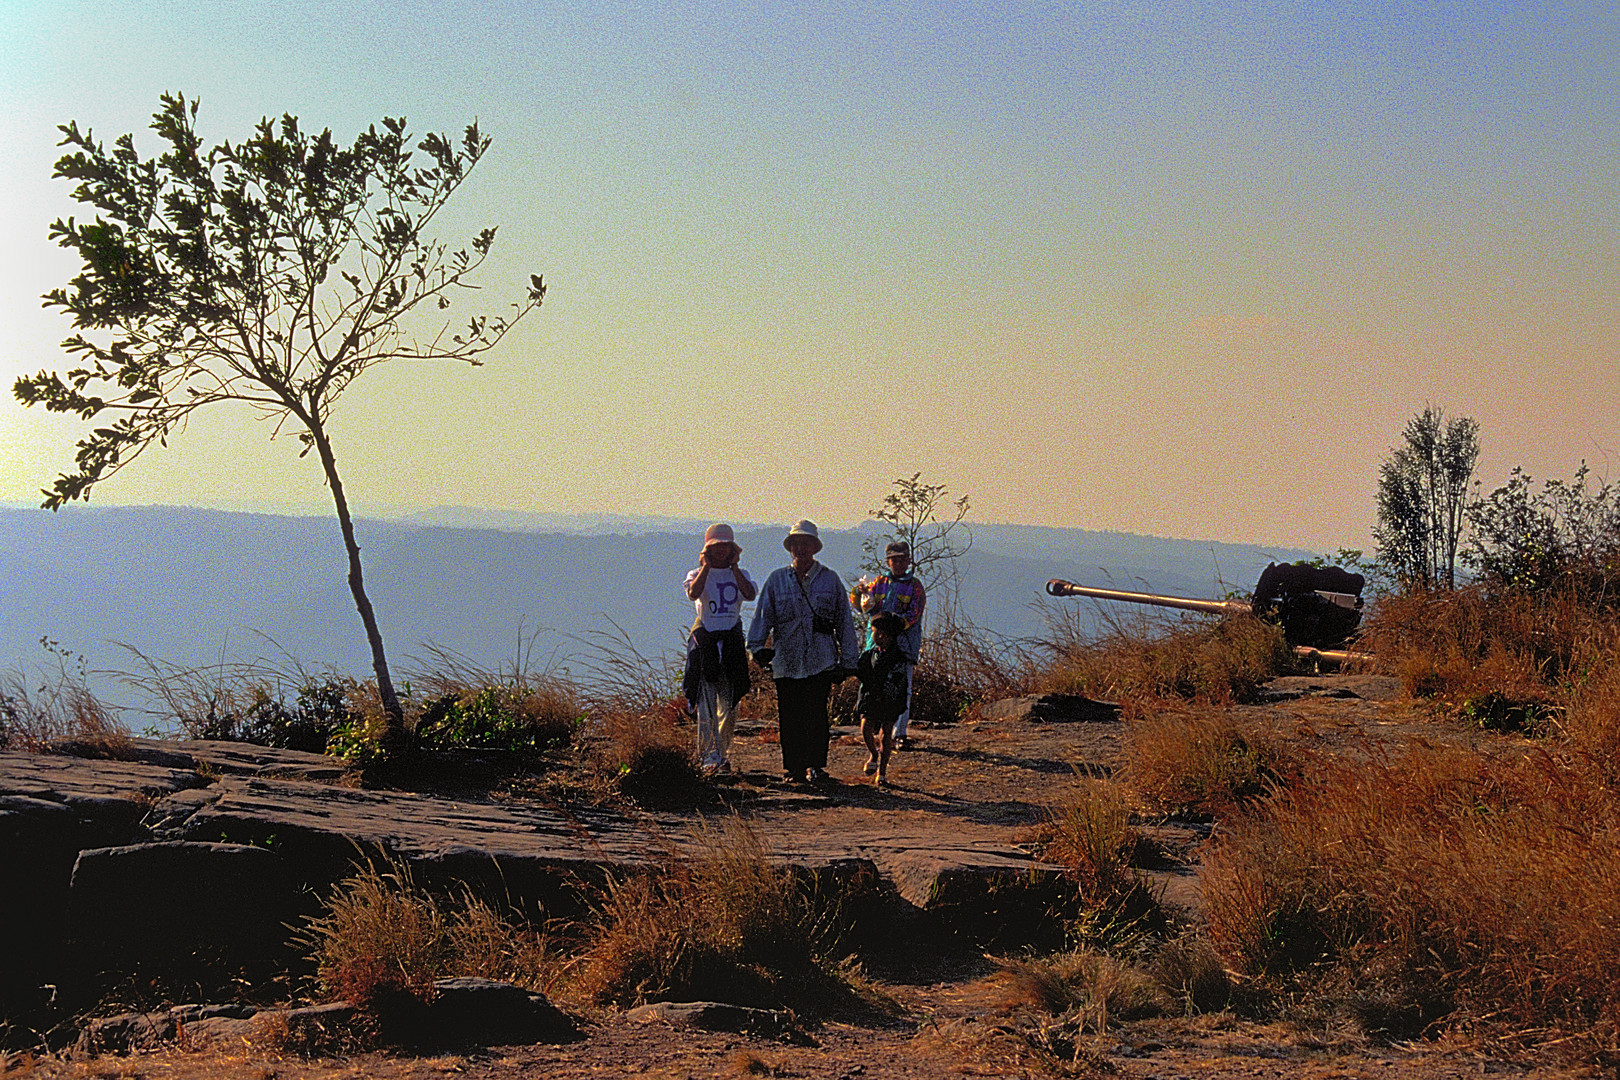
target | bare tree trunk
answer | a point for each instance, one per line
(394, 735)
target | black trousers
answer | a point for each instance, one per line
(801, 711)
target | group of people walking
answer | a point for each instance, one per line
(803, 634)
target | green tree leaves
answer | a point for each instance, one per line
(1423, 498)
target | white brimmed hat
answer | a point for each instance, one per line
(803, 527)
(719, 534)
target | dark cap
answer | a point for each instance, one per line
(888, 622)
(897, 547)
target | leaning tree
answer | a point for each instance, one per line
(273, 272)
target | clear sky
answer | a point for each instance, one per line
(1175, 268)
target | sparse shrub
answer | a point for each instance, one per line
(1566, 536)
(1442, 882)
(1204, 763)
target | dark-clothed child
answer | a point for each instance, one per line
(884, 685)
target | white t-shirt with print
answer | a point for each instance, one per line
(720, 605)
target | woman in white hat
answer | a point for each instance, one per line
(803, 614)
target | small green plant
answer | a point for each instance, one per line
(359, 741)
(1495, 711)
(498, 718)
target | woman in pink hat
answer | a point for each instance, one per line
(717, 659)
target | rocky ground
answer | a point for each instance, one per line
(947, 835)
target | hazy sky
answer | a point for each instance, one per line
(1176, 268)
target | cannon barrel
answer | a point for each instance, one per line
(1319, 607)
(1059, 587)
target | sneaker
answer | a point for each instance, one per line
(882, 779)
(901, 742)
(791, 777)
(819, 776)
(871, 765)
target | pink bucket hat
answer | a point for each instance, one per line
(719, 534)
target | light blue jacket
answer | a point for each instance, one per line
(781, 615)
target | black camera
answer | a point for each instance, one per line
(821, 624)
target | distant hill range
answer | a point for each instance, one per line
(189, 585)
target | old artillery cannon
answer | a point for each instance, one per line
(1318, 607)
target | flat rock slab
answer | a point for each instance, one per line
(319, 831)
(1363, 687)
(1052, 709)
(714, 1016)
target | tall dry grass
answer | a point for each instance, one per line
(55, 703)
(1530, 646)
(1204, 763)
(1093, 839)
(1438, 887)
(383, 940)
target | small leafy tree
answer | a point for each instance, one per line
(1528, 540)
(919, 514)
(273, 272)
(1423, 498)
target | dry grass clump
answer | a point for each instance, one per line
(383, 936)
(961, 664)
(1439, 887)
(1094, 841)
(1139, 659)
(1090, 988)
(723, 924)
(1025, 1046)
(647, 753)
(1205, 763)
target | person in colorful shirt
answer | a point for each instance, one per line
(804, 631)
(717, 656)
(899, 592)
